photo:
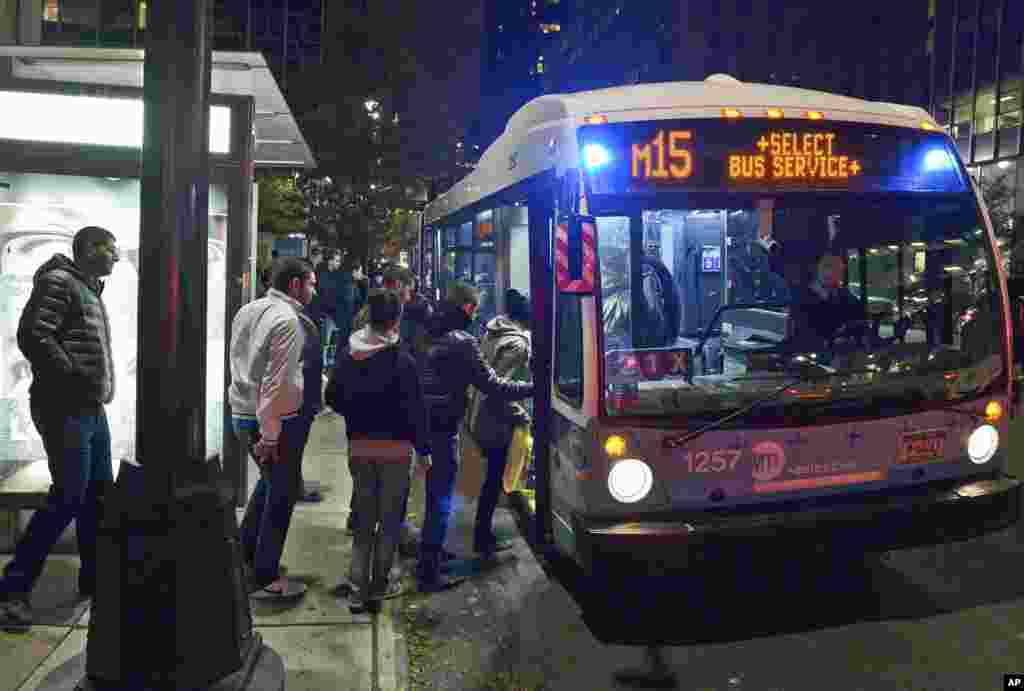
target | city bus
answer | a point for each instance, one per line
(762, 315)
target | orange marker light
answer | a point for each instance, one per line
(993, 412)
(596, 119)
(615, 446)
(731, 113)
(775, 112)
(815, 115)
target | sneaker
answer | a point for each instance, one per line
(391, 590)
(441, 584)
(490, 551)
(16, 610)
(356, 603)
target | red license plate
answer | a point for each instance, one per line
(922, 447)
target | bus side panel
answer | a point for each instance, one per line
(569, 466)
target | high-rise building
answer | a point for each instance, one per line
(873, 49)
(521, 39)
(977, 76)
(287, 32)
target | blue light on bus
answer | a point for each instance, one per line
(937, 159)
(595, 156)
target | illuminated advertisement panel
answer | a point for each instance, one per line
(765, 155)
(39, 215)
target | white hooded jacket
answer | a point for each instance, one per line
(267, 338)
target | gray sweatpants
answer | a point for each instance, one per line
(379, 486)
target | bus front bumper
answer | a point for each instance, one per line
(895, 519)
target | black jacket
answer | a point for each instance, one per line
(451, 362)
(64, 333)
(377, 390)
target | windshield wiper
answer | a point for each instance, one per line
(803, 379)
(776, 393)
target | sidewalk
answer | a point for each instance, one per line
(322, 644)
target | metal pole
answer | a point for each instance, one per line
(173, 243)
(171, 609)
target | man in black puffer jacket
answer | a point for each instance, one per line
(65, 334)
(451, 362)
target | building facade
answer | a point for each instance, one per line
(287, 32)
(977, 62)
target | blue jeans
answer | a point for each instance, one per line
(78, 453)
(483, 533)
(269, 511)
(330, 351)
(440, 491)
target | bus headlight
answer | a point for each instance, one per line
(630, 480)
(982, 444)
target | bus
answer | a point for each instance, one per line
(762, 315)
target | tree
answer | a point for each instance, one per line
(282, 208)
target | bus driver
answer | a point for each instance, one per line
(825, 306)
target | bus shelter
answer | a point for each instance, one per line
(70, 156)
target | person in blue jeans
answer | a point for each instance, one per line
(269, 338)
(451, 362)
(64, 332)
(506, 348)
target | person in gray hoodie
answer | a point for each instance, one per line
(491, 421)
(376, 388)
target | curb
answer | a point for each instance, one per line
(389, 651)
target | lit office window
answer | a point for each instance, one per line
(550, 28)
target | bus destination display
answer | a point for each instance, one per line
(774, 155)
(645, 157)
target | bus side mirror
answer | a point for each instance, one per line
(576, 254)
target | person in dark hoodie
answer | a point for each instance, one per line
(411, 330)
(506, 348)
(376, 388)
(64, 333)
(451, 362)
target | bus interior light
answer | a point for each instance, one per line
(775, 112)
(731, 113)
(815, 115)
(596, 119)
(595, 156)
(925, 125)
(982, 444)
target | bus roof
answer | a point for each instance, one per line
(542, 134)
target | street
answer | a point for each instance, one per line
(947, 617)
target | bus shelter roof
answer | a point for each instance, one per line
(279, 141)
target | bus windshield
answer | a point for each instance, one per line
(891, 301)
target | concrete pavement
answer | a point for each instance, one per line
(323, 645)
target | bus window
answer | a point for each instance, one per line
(613, 250)
(904, 284)
(569, 357)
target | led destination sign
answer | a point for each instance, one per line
(794, 156)
(722, 155)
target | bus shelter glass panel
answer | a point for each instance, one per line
(39, 216)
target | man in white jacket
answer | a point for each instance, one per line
(266, 394)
